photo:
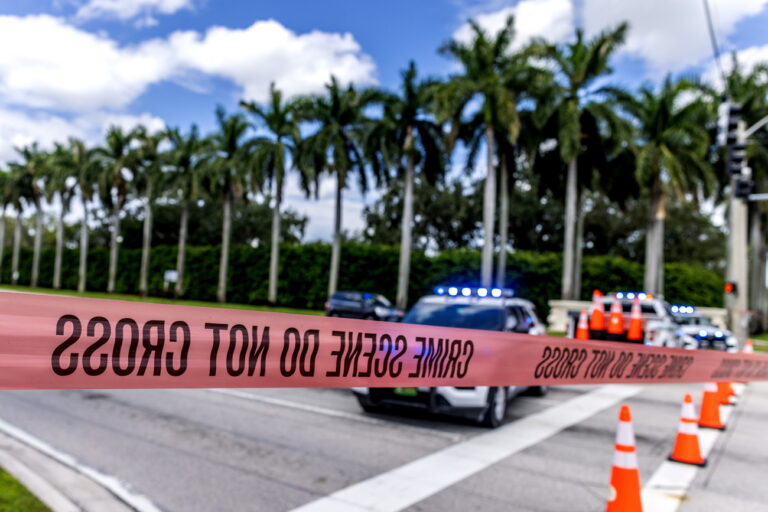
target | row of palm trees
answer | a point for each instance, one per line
(512, 104)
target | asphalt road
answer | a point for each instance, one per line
(265, 450)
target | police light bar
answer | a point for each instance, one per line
(633, 295)
(466, 291)
(682, 310)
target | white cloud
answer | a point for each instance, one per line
(129, 9)
(47, 63)
(267, 51)
(669, 36)
(552, 19)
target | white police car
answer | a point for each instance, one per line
(697, 331)
(492, 309)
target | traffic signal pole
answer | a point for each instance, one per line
(737, 271)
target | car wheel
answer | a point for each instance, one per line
(496, 408)
(537, 391)
(366, 404)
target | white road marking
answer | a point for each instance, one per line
(333, 413)
(668, 486)
(408, 484)
(137, 501)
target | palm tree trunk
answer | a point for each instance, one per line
(59, 249)
(226, 227)
(82, 272)
(37, 244)
(274, 253)
(654, 242)
(569, 222)
(489, 211)
(333, 278)
(757, 267)
(501, 268)
(406, 229)
(181, 253)
(146, 243)
(2, 241)
(113, 248)
(579, 249)
(16, 249)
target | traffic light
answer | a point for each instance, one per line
(729, 288)
(734, 139)
(743, 187)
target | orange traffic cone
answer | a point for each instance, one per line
(748, 347)
(635, 332)
(710, 408)
(725, 392)
(597, 317)
(686, 448)
(625, 474)
(616, 321)
(582, 330)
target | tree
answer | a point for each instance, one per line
(147, 180)
(186, 159)
(229, 175)
(5, 199)
(405, 138)
(335, 148)
(578, 65)
(20, 185)
(119, 161)
(484, 63)
(671, 145)
(34, 168)
(280, 146)
(59, 184)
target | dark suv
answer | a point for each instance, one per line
(370, 306)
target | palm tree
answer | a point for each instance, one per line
(119, 159)
(407, 136)
(484, 64)
(229, 175)
(280, 120)
(19, 189)
(59, 184)
(34, 166)
(671, 146)
(336, 147)
(146, 181)
(86, 168)
(5, 200)
(186, 160)
(578, 65)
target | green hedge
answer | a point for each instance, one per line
(304, 273)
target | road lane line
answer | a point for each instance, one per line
(334, 413)
(413, 482)
(138, 502)
(668, 487)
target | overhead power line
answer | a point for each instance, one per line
(715, 47)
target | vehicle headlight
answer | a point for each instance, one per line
(690, 342)
(381, 311)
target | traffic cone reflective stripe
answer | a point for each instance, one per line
(725, 392)
(686, 449)
(616, 319)
(748, 347)
(710, 408)
(625, 475)
(597, 313)
(635, 332)
(582, 329)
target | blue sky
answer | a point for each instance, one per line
(74, 67)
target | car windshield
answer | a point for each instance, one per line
(468, 316)
(693, 320)
(382, 300)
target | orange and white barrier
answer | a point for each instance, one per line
(625, 473)
(55, 342)
(686, 449)
(710, 408)
(635, 331)
(582, 328)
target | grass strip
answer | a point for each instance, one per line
(14, 497)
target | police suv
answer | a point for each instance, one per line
(697, 331)
(492, 309)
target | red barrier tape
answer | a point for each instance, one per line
(50, 342)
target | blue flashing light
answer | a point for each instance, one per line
(496, 292)
(703, 333)
(619, 295)
(453, 291)
(642, 295)
(466, 291)
(719, 334)
(482, 292)
(675, 309)
(439, 290)
(630, 296)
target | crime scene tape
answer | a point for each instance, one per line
(52, 342)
